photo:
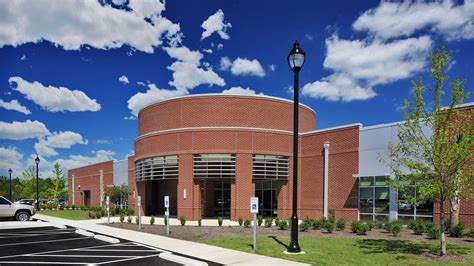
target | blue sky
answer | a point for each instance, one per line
(73, 76)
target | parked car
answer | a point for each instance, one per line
(21, 212)
(25, 201)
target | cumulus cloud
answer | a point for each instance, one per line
(65, 140)
(130, 117)
(10, 158)
(209, 51)
(153, 94)
(22, 130)
(15, 106)
(187, 72)
(392, 19)
(272, 67)
(73, 24)
(54, 99)
(360, 65)
(242, 67)
(215, 23)
(220, 46)
(103, 142)
(75, 161)
(124, 79)
(240, 91)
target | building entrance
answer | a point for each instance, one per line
(158, 189)
(267, 193)
(215, 197)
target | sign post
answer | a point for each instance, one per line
(108, 210)
(254, 210)
(139, 212)
(167, 214)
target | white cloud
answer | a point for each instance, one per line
(23, 58)
(272, 67)
(243, 67)
(389, 20)
(187, 73)
(308, 36)
(22, 130)
(360, 65)
(103, 141)
(124, 79)
(130, 117)
(65, 140)
(215, 23)
(73, 24)
(240, 91)
(55, 99)
(153, 94)
(220, 46)
(10, 158)
(15, 106)
(75, 161)
(209, 51)
(119, 2)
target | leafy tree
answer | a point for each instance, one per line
(118, 195)
(437, 162)
(58, 183)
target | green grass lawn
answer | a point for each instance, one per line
(67, 214)
(342, 251)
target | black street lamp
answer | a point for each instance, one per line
(10, 172)
(295, 61)
(37, 161)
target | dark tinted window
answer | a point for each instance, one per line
(4, 201)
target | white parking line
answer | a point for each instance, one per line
(136, 258)
(121, 250)
(84, 256)
(46, 241)
(47, 262)
(54, 251)
(30, 235)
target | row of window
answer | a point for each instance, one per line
(211, 166)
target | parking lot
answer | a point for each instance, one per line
(52, 245)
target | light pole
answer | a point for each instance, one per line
(10, 172)
(37, 161)
(296, 59)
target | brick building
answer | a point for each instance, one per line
(210, 153)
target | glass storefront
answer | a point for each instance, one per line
(374, 198)
(267, 193)
(408, 212)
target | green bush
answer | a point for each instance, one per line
(412, 224)
(241, 221)
(304, 226)
(137, 220)
(429, 225)
(396, 228)
(387, 226)
(457, 230)
(247, 223)
(73, 206)
(471, 233)
(341, 224)
(329, 226)
(182, 220)
(103, 213)
(433, 232)
(268, 221)
(332, 216)
(316, 224)
(200, 222)
(220, 219)
(277, 221)
(113, 211)
(98, 214)
(283, 225)
(91, 215)
(354, 226)
(259, 220)
(379, 224)
(122, 218)
(129, 219)
(152, 220)
(418, 228)
(362, 228)
(447, 224)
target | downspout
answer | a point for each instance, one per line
(72, 192)
(326, 178)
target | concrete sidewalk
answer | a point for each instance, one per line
(202, 251)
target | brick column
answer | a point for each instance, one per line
(244, 187)
(186, 183)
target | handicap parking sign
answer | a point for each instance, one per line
(254, 205)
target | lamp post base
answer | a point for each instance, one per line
(293, 253)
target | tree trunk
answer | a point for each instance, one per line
(442, 238)
(454, 212)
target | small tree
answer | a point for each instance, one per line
(437, 163)
(58, 181)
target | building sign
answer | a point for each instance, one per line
(167, 201)
(139, 201)
(254, 205)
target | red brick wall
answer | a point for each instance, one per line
(221, 110)
(88, 177)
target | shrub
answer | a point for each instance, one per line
(378, 224)
(129, 220)
(182, 220)
(433, 232)
(354, 226)
(200, 222)
(241, 221)
(73, 206)
(418, 228)
(457, 230)
(113, 211)
(103, 213)
(447, 223)
(329, 226)
(429, 225)
(92, 215)
(332, 215)
(304, 226)
(152, 220)
(259, 220)
(277, 221)
(412, 224)
(283, 225)
(396, 228)
(362, 228)
(247, 223)
(341, 224)
(316, 224)
(471, 233)
(98, 215)
(370, 225)
(137, 220)
(122, 218)
(220, 219)
(268, 221)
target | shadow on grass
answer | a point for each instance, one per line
(278, 241)
(402, 247)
